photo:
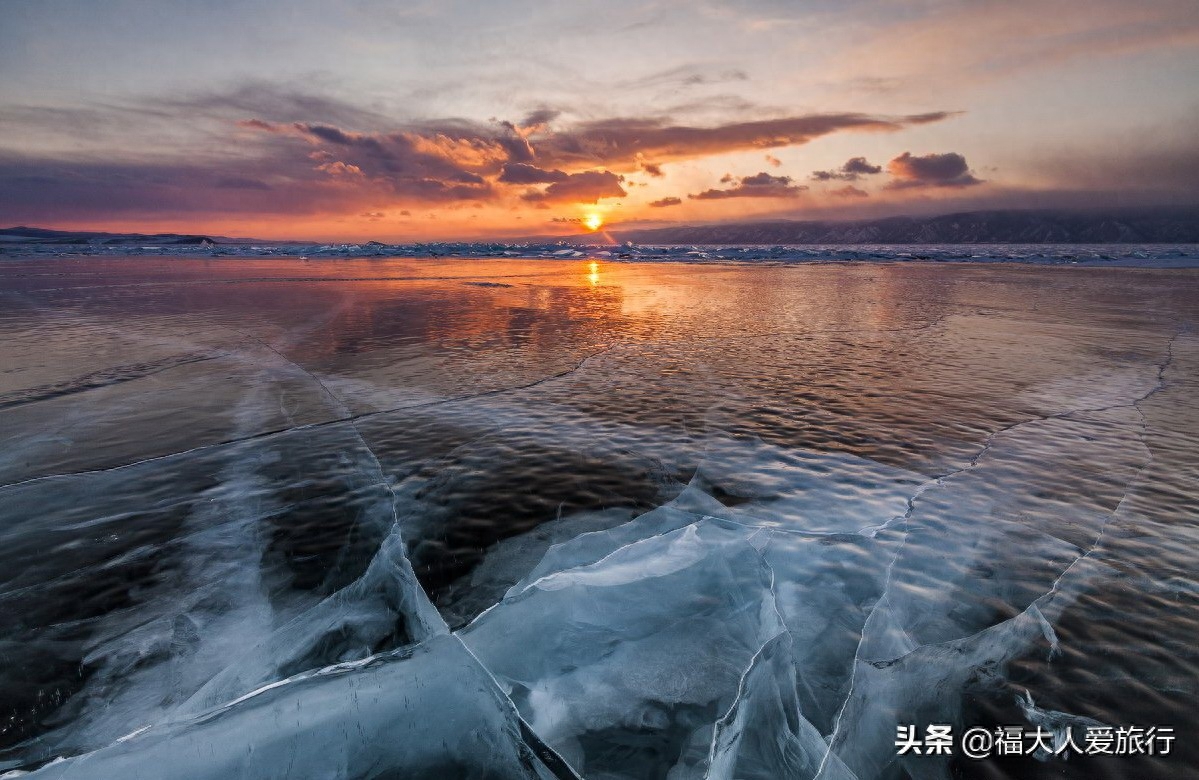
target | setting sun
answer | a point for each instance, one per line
(593, 221)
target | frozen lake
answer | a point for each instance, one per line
(394, 517)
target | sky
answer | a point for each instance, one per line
(393, 121)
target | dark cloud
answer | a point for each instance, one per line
(664, 202)
(861, 166)
(653, 169)
(540, 117)
(931, 116)
(853, 169)
(515, 141)
(47, 190)
(620, 143)
(765, 180)
(585, 187)
(518, 148)
(760, 185)
(930, 170)
(452, 161)
(774, 161)
(334, 135)
(521, 173)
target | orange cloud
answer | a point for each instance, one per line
(586, 187)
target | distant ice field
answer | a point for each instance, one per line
(1118, 255)
(341, 512)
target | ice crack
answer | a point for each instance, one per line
(351, 418)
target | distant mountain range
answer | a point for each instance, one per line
(1174, 226)
(32, 235)
(1143, 226)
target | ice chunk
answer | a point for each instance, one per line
(637, 613)
(624, 665)
(690, 506)
(345, 626)
(1060, 723)
(429, 711)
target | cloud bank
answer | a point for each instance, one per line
(274, 161)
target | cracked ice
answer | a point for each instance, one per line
(559, 533)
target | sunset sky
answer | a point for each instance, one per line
(409, 121)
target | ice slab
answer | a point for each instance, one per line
(651, 627)
(429, 711)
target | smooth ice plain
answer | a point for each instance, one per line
(393, 518)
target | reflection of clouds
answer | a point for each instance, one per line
(538, 310)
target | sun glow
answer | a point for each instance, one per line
(593, 221)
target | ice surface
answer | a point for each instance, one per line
(208, 630)
(882, 624)
(430, 523)
(630, 680)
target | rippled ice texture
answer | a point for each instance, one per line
(267, 517)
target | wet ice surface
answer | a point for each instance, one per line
(509, 518)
